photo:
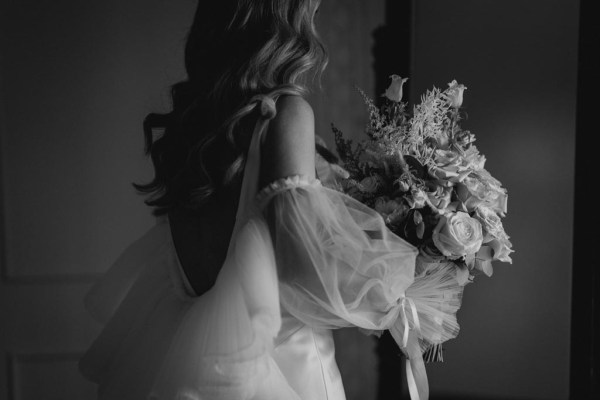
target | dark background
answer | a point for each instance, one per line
(76, 80)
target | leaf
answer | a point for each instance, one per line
(417, 217)
(484, 266)
(420, 230)
(462, 275)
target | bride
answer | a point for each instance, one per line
(253, 260)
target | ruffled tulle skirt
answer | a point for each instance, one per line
(161, 342)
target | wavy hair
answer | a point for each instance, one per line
(235, 50)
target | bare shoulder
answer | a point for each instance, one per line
(295, 121)
(289, 144)
(294, 109)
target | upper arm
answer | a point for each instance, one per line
(289, 145)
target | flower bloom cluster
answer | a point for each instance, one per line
(424, 175)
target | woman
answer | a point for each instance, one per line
(233, 293)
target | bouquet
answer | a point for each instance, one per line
(422, 172)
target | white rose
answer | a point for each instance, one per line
(394, 91)
(491, 223)
(449, 166)
(481, 188)
(472, 159)
(457, 235)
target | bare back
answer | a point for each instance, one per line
(201, 238)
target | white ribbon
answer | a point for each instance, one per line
(416, 375)
(415, 316)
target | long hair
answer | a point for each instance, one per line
(236, 49)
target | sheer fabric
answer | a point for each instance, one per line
(302, 259)
(338, 264)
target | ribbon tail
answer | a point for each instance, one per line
(416, 376)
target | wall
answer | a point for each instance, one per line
(77, 79)
(518, 60)
(346, 28)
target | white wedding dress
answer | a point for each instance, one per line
(317, 260)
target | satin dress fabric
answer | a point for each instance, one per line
(304, 355)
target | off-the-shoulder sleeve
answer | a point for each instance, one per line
(338, 264)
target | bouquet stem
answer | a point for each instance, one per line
(434, 354)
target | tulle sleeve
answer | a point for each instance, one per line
(338, 264)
